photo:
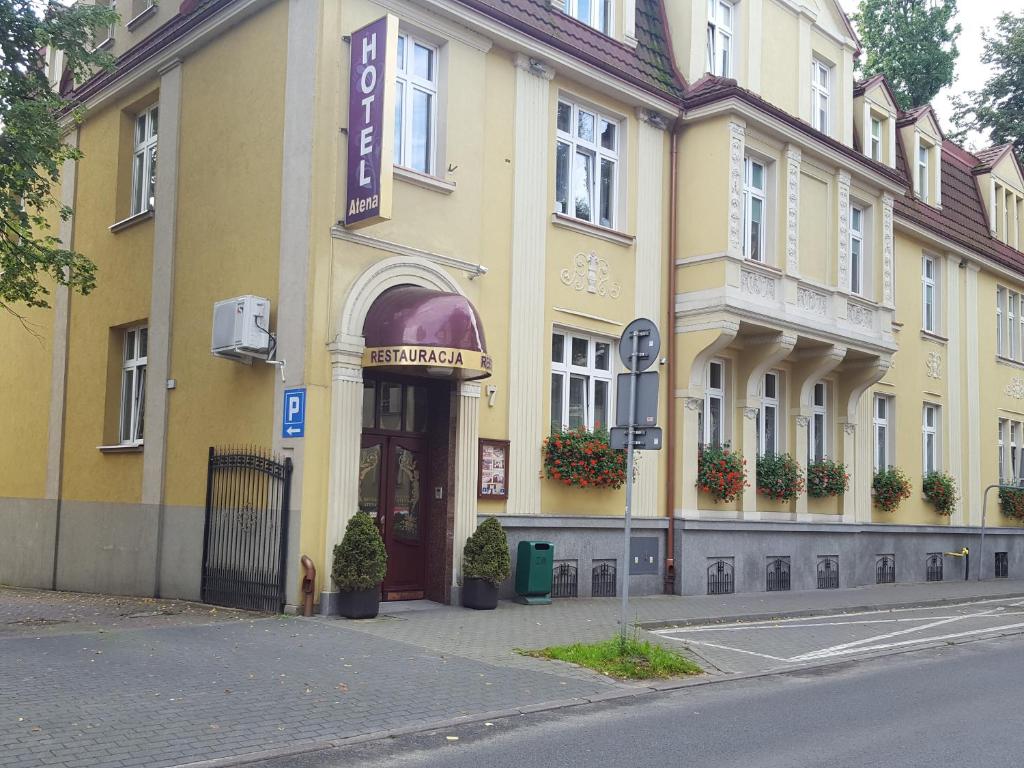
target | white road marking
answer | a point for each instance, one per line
(780, 625)
(726, 648)
(902, 643)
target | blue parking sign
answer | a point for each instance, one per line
(294, 421)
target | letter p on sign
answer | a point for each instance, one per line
(294, 416)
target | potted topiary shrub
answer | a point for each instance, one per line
(485, 564)
(360, 562)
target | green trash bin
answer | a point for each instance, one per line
(535, 563)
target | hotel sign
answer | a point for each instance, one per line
(469, 363)
(371, 122)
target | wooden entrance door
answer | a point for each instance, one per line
(392, 488)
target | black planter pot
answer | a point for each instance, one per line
(359, 604)
(479, 595)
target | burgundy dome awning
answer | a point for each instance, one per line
(421, 330)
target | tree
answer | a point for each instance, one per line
(999, 105)
(33, 119)
(912, 43)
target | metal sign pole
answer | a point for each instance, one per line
(634, 372)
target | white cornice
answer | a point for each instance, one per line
(432, 22)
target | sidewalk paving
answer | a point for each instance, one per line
(91, 681)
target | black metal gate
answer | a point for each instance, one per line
(720, 578)
(828, 573)
(933, 567)
(777, 577)
(602, 580)
(885, 570)
(1002, 565)
(565, 582)
(246, 537)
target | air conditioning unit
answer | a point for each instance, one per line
(241, 329)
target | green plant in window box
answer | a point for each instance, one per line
(1011, 502)
(721, 472)
(940, 489)
(889, 488)
(779, 476)
(583, 458)
(827, 478)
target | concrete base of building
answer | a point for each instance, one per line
(749, 546)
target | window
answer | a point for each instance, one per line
(144, 162)
(1012, 307)
(1011, 435)
(586, 163)
(719, 43)
(416, 105)
(712, 425)
(817, 436)
(856, 249)
(593, 13)
(1002, 455)
(930, 438)
(882, 418)
(768, 418)
(133, 385)
(928, 319)
(581, 381)
(876, 139)
(1009, 324)
(821, 76)
(102, 35)
(1000, 336)
(754, 204)
(922, 172)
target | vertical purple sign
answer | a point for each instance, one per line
(370, 124)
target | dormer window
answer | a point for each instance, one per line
(593, 13)
(922, 172)
(720, 34)
(876, 139)
(821, 91)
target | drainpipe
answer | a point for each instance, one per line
(670, 368)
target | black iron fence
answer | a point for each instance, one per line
(246, 536)
(933, 567)
(603, 580)
(566, 580)
(885, 569)
(828, 572)
(720, 578)
(1002, 565)
(777, 576)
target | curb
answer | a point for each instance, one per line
(756, 617)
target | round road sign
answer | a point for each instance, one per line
(648, 344)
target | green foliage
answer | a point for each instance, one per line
(827, 478)
(360, 560)
(34, 117)
(486, 555)
(721, 472)
(940, 489)
(999, 105)
(779, 477)
(627, 658)
(1011, 502)
(889, 488)
(583, 458)
(912, 43)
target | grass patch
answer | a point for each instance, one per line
(634, 660)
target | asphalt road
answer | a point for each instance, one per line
(954, 705)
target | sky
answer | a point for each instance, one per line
(973, 16)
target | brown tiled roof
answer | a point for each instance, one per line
(963, 217)
(648, 66)
(987, 158)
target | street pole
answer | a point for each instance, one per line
(633, 373)
(981, 544)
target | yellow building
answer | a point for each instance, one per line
(435, 219)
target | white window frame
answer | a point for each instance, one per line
(719, 48)
(930, 460)
(133, 361)
(923, 170)
(407, 84)
(602, 12)
(1012, 329)
(819, 413)
(577, 145)
(144, 160)
(875, 138)
(750, 194)
(857, 255)
(821, 93)
(763, 419)
(1001, 336)
(590, 372)
(929, 307)
(714, 394)
(1003, 428)
(882, 422)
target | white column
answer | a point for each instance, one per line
(529, 230)
(888, 256)
(915, 150)
(466, 472)
(890, 150)
(691, 438)
(793, 159)
(936, 163)
(953, 382)
(843, 188)
(750, 40)
(845, 118)
(346, 435)
(992, 224)
(649, 270)
(865, 130)
(158, 361)
(972, 491)
(737, 150)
